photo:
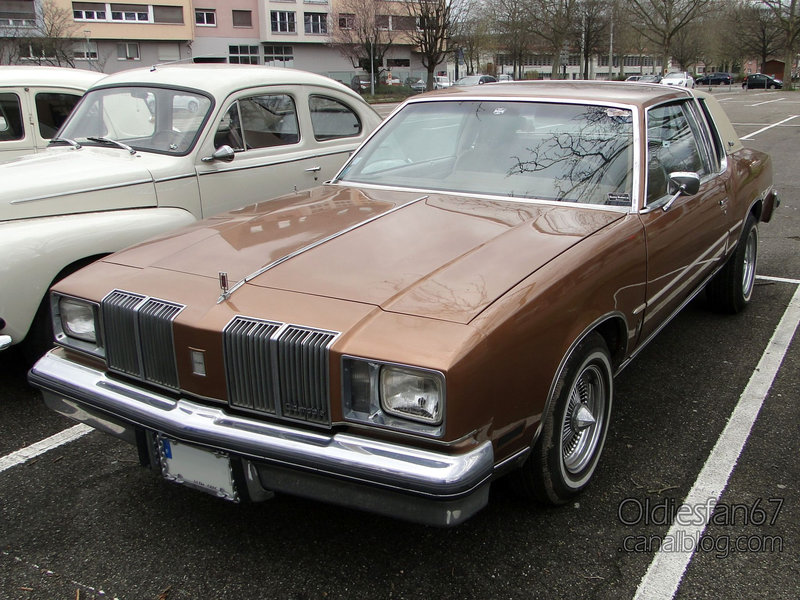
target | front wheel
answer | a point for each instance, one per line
(731, 289)
(569, 446)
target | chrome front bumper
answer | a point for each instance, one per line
(387, 478)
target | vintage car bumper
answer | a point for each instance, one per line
(388, 478)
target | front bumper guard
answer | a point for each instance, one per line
(387, 478)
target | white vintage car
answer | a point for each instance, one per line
(149, 150)
(34, 103)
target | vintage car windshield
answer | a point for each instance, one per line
(550, 151)
(143, 118)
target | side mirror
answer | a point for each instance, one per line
(224, 153)
(682, 184)
(3, 124)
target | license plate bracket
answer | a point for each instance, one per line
(196, 467)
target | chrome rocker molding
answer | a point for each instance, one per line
(382, 477)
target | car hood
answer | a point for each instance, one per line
(65, 180)
(438, 256)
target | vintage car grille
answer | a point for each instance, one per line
(138, 337)
(278, 369)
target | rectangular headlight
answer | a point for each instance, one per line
(412, 394)
(399, 397)
(78, 319)
(76, 323)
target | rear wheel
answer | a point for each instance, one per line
(731, 289)
(569, 446)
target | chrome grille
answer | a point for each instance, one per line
(138, 337)
(278, 369)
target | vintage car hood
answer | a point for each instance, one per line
(64, 180)
(438, 256)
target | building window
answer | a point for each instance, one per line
(205, 18)
(278, 56)
(168, 14)
(282, 21)
(128, 51)
(85, 50)
(243, 55)
(347, 21)
(130, 12)
(398, 62)
(168, 51)
(88, 11)
(242, 18)
(316, 23)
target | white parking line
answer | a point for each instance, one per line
(755, 133)
(665, 573)
(34, 450)
(768, 101)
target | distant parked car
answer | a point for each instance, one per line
(34, 102)
(504, 77)
(633, 78)
(149, 150)
(441, 82)
(417, 85)
(717, 78)
(761, 81)
(652, 78)
(475, 80)
(679, 78)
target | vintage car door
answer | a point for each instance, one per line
(686, 240)
(283, 141)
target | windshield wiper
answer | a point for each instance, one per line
(73, 143)
(109, 141)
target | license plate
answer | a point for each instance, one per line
(196, 467)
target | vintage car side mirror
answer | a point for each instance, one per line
(224, 153)
(682, 184)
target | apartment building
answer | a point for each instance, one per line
(110, 36)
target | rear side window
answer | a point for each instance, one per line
(10, 118)
(269, 120)
(52, 110)
(332, 119)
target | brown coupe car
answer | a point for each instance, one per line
(451, 307)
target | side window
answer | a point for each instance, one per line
(332, 119)
(229, 131)
(672, 146)
(269, 120)
(10, 118)
(52, 110)
(716, 139)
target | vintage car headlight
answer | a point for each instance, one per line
(412, 394)
(394, 396)
(76, 323)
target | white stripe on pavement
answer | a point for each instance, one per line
(34, 450)
(763, 129)
(665, 573)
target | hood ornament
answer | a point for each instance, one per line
(223, 286)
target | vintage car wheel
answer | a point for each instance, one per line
(731, 289)
(568, 449)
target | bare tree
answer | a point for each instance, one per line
(362, 33)
(787, 15)
(754, 32)
(663, 19)
(50, 42)
(553, 22)
(688, 45)
(511, 28)
(432, 34)
(592, 29)
(470, 34)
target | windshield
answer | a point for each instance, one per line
(144, 118)
(548, 151)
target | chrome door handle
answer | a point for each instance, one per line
(313, 169)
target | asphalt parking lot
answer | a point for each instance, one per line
(707, 413)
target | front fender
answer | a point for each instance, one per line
(35, 251)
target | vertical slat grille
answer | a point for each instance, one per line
(278, 369)
(119, 326)
(158, 348)
(138, 337)
(248, 363)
